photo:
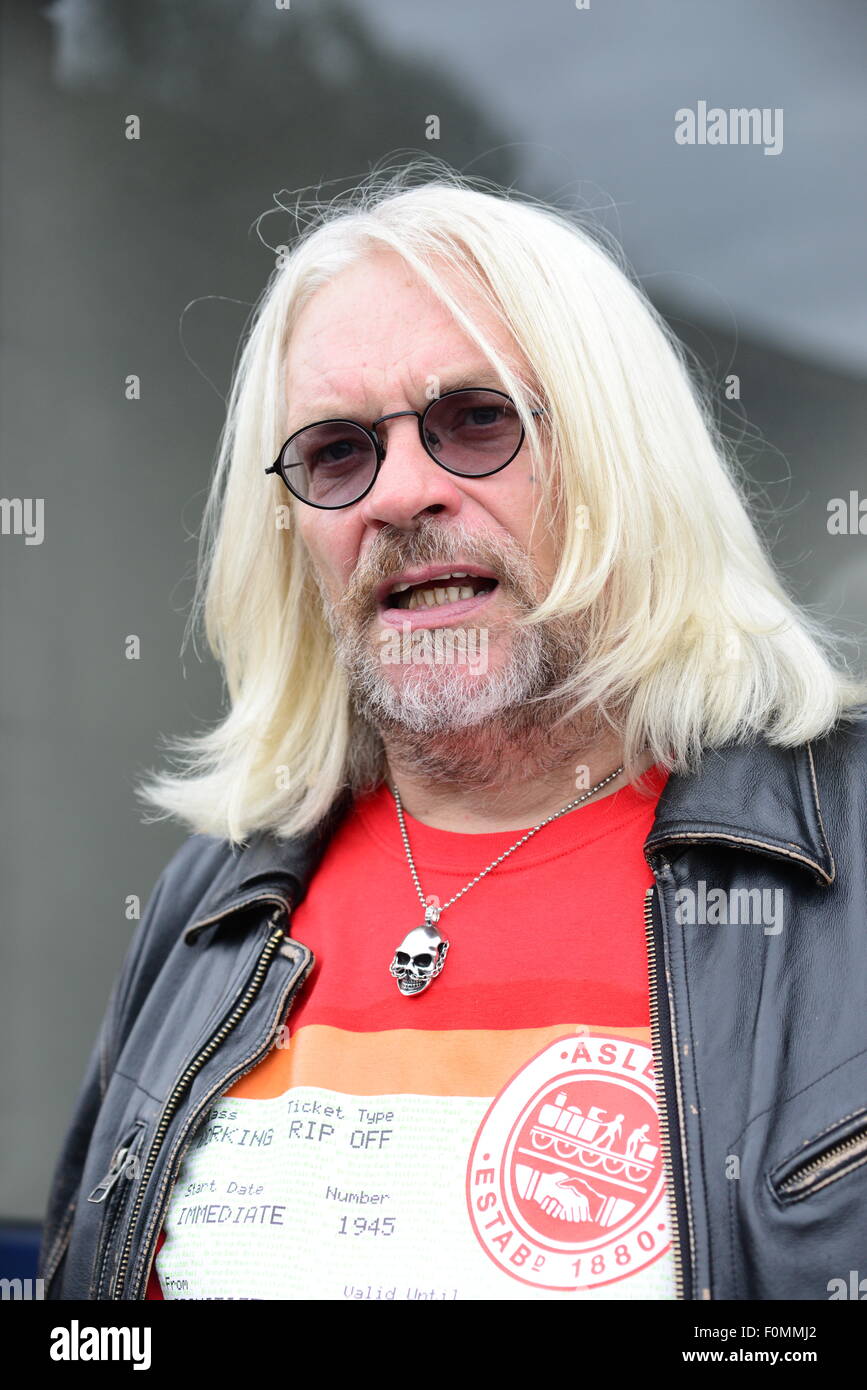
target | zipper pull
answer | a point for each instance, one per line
(118, 1165)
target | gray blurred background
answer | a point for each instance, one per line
(756, 259)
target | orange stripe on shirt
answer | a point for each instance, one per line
(458, 1062)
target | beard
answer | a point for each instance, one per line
(441, 720)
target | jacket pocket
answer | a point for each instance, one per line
(825, 1159)
(112, 1193)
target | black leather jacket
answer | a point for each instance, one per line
(760, 1036)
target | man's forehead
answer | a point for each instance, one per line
(357, 366)
(355, 393)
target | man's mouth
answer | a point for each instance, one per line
(446, 588)
(455, 590)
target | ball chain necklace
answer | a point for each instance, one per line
(422, 954)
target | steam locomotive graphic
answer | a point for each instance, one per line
(585, 1148)
(588, 1139)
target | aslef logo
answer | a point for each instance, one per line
(565, 1183)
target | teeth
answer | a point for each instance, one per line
(432, 592)
(429, 598)
(455, 574)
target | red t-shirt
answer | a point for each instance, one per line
(494, 1136)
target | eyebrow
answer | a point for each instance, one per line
(482, 376)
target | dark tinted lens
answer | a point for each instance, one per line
(473, 431)
(330, 464)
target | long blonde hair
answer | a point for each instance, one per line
(686, 628)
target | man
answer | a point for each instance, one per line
(537, 819)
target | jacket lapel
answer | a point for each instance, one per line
(757, 797)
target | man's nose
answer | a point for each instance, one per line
(409, 483)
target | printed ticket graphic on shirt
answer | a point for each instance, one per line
(553, 1188)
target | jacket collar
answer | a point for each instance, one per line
(756, 798)
(285, 867)
(753, 797)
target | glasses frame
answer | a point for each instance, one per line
(381, 445)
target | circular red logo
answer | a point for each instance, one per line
(565, 1183)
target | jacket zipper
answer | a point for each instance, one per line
(118, 1166)
(125, 1163)
(249, 994)
(662, 1102)
(229, 1078)
(818, 1171)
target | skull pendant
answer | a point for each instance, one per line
(418, 959)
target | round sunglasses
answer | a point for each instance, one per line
(333, 463)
